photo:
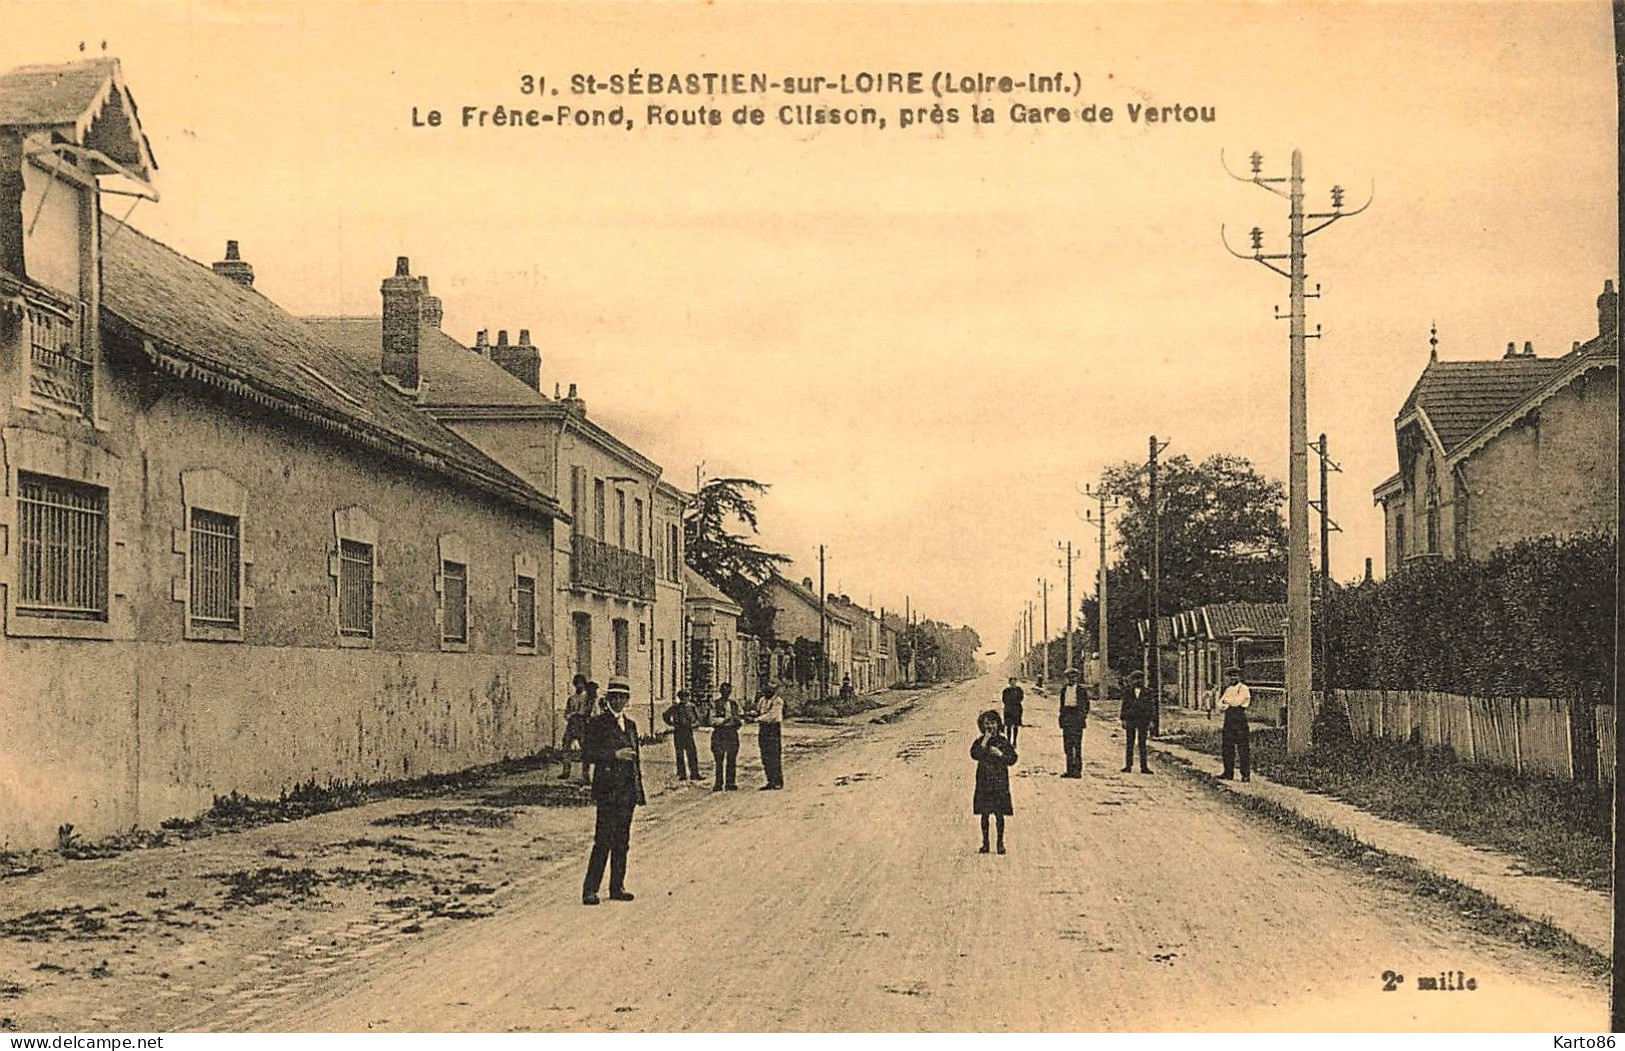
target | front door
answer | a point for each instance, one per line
(582, 623)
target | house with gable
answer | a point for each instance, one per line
(1492, 452)
(232, 559)
(800, 622)
(618, 605)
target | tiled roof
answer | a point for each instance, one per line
(70, 99)
(1463, 397)
(452, 373)
(810, 598)
(703, 590)
(1260, 618)
(205, 327)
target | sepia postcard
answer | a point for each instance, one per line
(817, 517)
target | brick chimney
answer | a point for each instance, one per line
(1528, 349)
(482, 343)
(573, 403)
(1512, 351)
(232, 268)
(432, 309)
(403, 315)
(522, 360)
(1608, 310)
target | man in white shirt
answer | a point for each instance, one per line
(1233, 703)
(1074, 716)
(769, 736)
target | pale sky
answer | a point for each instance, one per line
(924, 339)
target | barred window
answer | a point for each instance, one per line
(525, 624)
(60, 368)
(62, 548)
(355, 589)
(216, 570)
(453, 602)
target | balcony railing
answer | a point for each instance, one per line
(601, 567)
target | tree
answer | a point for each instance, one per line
(726, 558)
(1223, 539)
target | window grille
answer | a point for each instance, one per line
(525, 625)
(61, 371)
(355, 589)
(216, 570)
(453, 602)
(62, 549)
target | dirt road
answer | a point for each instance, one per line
(856, 900)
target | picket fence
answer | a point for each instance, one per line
(1526, 734)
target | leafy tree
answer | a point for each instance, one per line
(1223, 539)
(729, 558)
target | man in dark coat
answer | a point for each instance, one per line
(617, 791)
(1012, 698)
(682, 718)
(1074, 717)
(1139, 709)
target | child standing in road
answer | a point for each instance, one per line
(994, 757)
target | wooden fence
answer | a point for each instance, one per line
(1530, 735)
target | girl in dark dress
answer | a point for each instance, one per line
(994, 757)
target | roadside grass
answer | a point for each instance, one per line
(236, 812)
(1555, 827)
(1479, 910)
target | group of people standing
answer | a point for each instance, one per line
(725, 720)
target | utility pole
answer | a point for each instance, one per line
(1155, 634)
(823, 632)
(1327, 526)
(1043, 588)
(1102, 673)
(1299, 646)
(1067, 562)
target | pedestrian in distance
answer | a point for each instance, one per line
(846, 693)
(769, 736)
(1012, 698)
(577, 711)
(1235, 734)
(725, 723)
(994, 757)
(617, 792)
(1074, 717)
(1138, 711)
(682, 718)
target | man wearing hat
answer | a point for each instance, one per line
(617, 791)
(1234, 702)
(1139, 709)
(1074, 717)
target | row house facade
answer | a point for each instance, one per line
(618, 605)
(1494, 451)
(799, 616)
(233, 558)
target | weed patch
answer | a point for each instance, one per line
(436, 817)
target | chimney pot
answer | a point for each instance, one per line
(502, 337)
(233, 269)
(1608, 310)
(403, 267)
(524, 337)
(1512, 350)
(522, 361)
(1528, 349)
(482, 339)
(806, 582)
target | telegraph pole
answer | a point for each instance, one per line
(1103, 673)
(1299, 647)
(1043, 588)
(1327, 526)
(1156, 591)
(823, 632)
(1067, 562)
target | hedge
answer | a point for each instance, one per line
(1534, 619)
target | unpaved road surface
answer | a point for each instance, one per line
(856, 900)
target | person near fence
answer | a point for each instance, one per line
(1012, 698)
(682, 718)
(1074, 717)
(576, 714)
(617, 792)
(725, 723)
(1138, 711)
(1235, 735)
(994, 757)
(769, 739)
